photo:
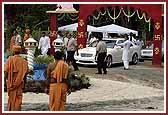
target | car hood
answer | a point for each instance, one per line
(91, 50)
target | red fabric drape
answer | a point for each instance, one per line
(53, 28)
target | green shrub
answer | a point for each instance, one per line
(44, 59)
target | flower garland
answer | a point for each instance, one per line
(71, 17)
(96, 18)
(114, 18)
(139, 15)
(144, 16)
(103, 13)
(129, 15)
(60, 17)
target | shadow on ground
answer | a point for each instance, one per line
(145, 104)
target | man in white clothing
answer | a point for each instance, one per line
(44, 44)
(126, 51)
(65, 40)
(18, 40)
(92, 39)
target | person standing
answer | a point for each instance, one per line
(101, 53)
(139, 43)
(56, 81)
(65, 40)
(27, 34)
(12, 41)
(15, 70)
(18, 40)
(44, 44)
(126, 51)
(71, 48)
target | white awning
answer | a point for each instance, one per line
(73, 27)
(116, 29)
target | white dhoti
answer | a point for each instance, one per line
(126, 64)
(126, 53)
(125, 58)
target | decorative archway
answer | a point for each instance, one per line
(154, 11)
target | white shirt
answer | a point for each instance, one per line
(126, 49)
(18, 40)
(92, 39)
(101, 47)
(44, 44)
(72, 44)
(138, 43)
(65, 41)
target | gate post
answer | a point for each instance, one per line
(53, 29)
(157, 37)
(82, 28)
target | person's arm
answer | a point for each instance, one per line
(97, 50)
(121, 44)
(48, 74)
(47, 81)
(40, 44)
(48, 40)
(6, 69)
(76, 46)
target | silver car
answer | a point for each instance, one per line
(147, 52)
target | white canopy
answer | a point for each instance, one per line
(73, 27)
(116, 29)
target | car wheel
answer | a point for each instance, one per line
(109, 61)
(135, 59)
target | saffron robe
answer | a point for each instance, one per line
(58, 91)
(16, 68)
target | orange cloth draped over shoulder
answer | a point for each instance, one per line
(16, 67)
(58, 91)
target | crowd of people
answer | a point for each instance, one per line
(16, 68)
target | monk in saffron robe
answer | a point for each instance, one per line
(12, 41)
(57, 72)
(27, 34)
(15, 70)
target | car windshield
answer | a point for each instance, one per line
(93, 44)
(109, 43)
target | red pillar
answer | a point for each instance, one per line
(157, 37)
(82, 28)
(53, 29)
